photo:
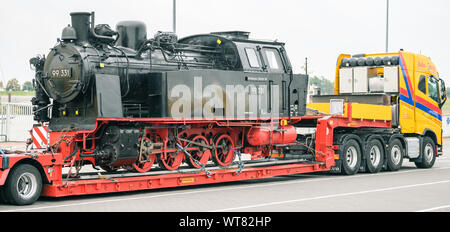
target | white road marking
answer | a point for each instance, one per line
(256, 185)
(332, 196)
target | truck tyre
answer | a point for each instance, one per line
(395, 155)
(351, 157)
(23, 186)
(374, 156)
(2, 196)
(428, 154)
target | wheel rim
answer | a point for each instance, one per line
(146, 161)
(26, 185)
(396, 154)
(202, 155)
(171, 161)
(375, 155)
(428, 153)
(145, 166)
(223, 151)
(351, 156)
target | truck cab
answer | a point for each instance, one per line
(410, 81)
(402, 88)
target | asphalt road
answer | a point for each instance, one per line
(408, 190)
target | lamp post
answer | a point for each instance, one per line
(174, 16)
(387, 26)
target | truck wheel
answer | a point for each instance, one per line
(395, 155)
(23, 186)
(374, 156)
(351, 157)
(428, 154)
(2, 196)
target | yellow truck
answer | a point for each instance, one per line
(401, 88)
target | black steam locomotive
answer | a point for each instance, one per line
(97, 73)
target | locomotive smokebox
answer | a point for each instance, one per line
(80, 22)
(131, 34)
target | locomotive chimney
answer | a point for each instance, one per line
(80, 22)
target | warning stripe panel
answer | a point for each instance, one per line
(37, 140)
(39, 136)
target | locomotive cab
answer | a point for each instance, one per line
(245, 54)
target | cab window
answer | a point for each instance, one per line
(273, 59)
(252, 58)
(433, 89)
(423, 84)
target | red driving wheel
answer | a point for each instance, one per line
(146, 161)
(202, 154)
(145, 166)
(223, 153)
(171, 160)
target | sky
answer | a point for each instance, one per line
(319, 30)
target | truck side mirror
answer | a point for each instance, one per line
(443, 93)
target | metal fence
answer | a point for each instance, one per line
(16, 120)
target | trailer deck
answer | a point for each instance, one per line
(101, 182)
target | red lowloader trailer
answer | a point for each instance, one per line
(26, 176)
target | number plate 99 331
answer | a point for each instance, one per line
(61, 73)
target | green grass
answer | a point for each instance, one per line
(17, 93)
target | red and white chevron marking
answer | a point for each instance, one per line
(39, 134)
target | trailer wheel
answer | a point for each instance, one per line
(428, 154)
(395, 155)
(351, 157)
(23, 186)
(374, 156)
